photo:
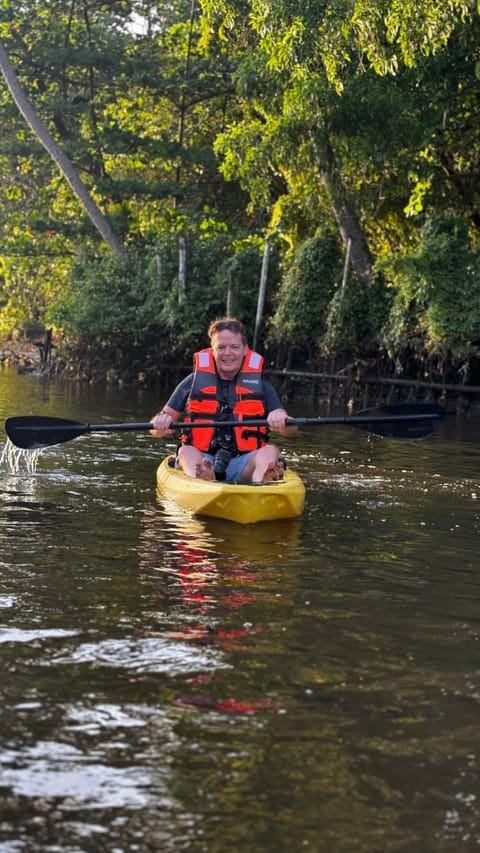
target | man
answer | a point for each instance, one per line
(227, 384)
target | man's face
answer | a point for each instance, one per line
(229, 352)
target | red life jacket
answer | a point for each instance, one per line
(204, 401)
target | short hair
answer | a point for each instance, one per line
(229, 324)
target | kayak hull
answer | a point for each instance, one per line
(243, 504)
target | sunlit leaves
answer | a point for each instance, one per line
(392, 32)
(382, 33)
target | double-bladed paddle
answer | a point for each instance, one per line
(417, 420)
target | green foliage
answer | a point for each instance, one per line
(242, 268)
(305, 291)
(126, 311)
(436, 289)
(214, 262)
(110, 307)
(32, 275)
(355, 318)
(311, 306)
(229, 120)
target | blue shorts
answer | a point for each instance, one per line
(234, 468)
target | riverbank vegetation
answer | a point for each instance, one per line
(331, 149)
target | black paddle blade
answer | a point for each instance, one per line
(408, 420)
(30, 432)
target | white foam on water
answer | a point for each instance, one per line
(18, 459)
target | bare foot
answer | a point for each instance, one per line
(274, 472)
(204, 470)
(277, 471)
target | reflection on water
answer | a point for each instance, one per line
(172, 683)
(205, 569)
(142, 656)
(57, 771)
(14, 635)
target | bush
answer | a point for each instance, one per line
(305, 292)
(123, 313)
(436, 305)
(355, 318)
(110, 308)
(314, 318)
(210, 265)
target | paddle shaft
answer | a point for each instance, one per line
(342, 419)
(403, 421)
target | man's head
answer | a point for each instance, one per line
(229, 344)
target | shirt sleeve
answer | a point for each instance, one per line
(272, 400)
(178, 400)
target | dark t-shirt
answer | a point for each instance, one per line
(178, 399)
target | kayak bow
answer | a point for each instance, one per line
(244, 504)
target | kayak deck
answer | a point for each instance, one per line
(244, 504)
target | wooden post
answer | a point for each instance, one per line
(261, 292)
(230, 294)
(46, 349)
(182, 269)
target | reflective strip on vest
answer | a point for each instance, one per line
(255, 360)
(203, 358)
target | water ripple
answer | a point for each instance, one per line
(108, 716)
(153, 654)
(22, 635)
(57, 770)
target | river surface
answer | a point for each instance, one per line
(176, 684)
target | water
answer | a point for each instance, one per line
(170, 683)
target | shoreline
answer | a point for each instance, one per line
(23, 355)
(37, 356)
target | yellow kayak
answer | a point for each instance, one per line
(243, 504)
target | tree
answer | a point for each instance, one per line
(123, 108)
(299, 64)
(357, 118)
(41, 132)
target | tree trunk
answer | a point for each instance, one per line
(43, 135)
(347, 220)
(360, 257)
